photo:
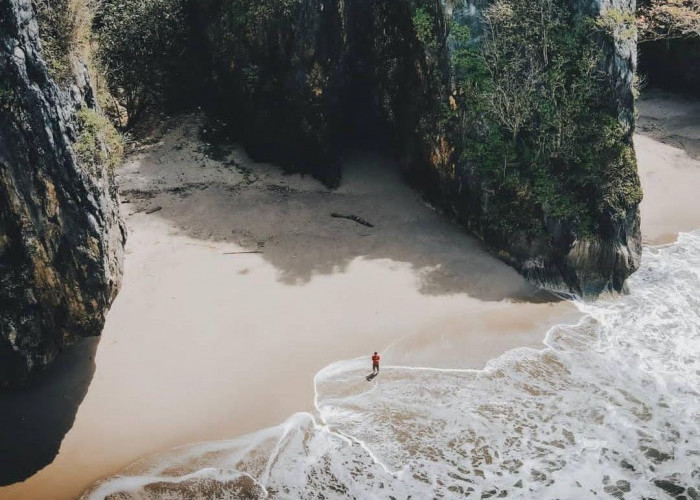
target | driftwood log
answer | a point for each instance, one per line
(354, 218)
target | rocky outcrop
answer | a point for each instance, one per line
(587, 240)
(514, 117)
(61, 239)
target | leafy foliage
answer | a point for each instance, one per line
(250, 20)
(245, 30)
(619, 24)
(141, 44)
(424, 26)
(538, 118)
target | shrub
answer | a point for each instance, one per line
(619, 24)
(141, 47)
(99, 144)
(541, 126)
(424, 27)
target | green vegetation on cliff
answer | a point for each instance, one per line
(99, 144)
(143, 46)
(56, 30)
(65, 33)
(538, 117)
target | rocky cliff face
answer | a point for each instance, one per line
(61, 239)
(274, 63)
(514, 117)
(582, 188)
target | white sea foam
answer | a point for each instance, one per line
(610, 407)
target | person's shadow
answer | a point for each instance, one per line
(371, 376)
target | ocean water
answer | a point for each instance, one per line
(609, 408)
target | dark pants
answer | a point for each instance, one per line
(375, 367)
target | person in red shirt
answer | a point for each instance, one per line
(375, 363)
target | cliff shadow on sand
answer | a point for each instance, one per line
(36, 417)
(216, 193)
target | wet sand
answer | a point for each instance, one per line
(205, 342)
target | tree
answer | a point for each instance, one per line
(141, 44)
(514, 65)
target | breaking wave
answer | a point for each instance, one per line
(609, 407)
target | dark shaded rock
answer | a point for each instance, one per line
(61, 239)
(657, 456)
(273, 64)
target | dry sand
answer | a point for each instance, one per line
(668, 151)
(204, 343)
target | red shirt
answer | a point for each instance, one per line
(375, 359)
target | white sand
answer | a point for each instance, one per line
(203, 345)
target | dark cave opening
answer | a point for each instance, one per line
(672, 65)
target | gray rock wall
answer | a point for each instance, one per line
(61, 238)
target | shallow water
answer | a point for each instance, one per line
(609, 407)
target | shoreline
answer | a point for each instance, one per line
(226, 259)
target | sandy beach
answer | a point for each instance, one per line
(668, 151)
(239, 286)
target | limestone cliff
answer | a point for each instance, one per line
(61, 239)
(514, 117)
